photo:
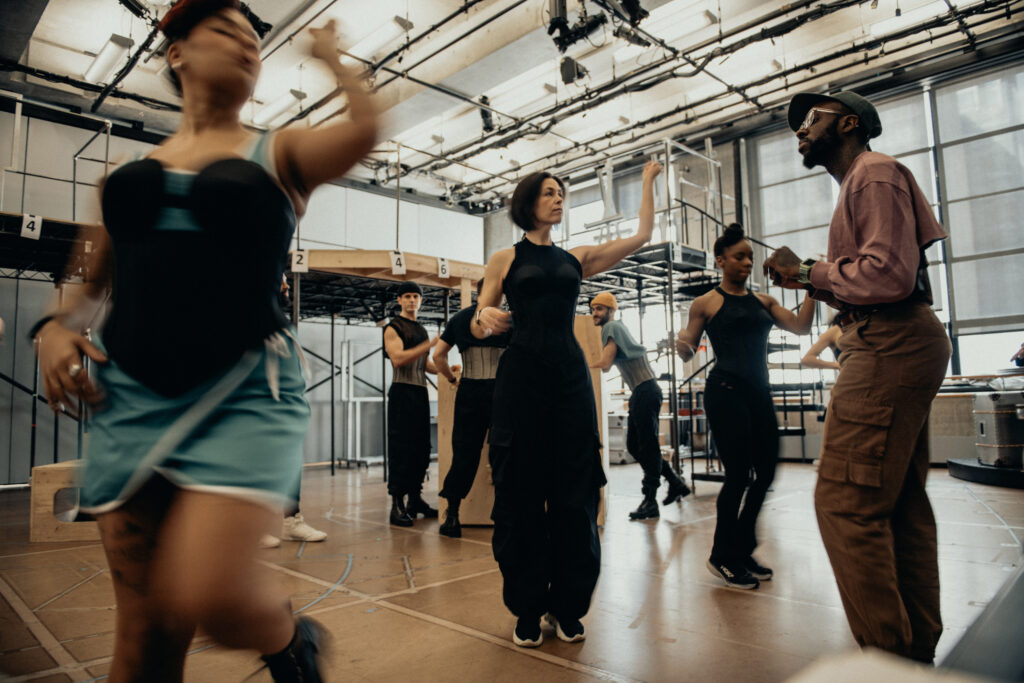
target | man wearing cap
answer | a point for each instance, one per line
(620, 349)
(408, 345)
(875, 518)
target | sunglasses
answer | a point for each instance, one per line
(812, 117)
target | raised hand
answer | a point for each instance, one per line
(783, 267)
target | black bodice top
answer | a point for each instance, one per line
(197, 265)
(542, 287)
(739, 335)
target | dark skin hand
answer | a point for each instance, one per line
(783, 267)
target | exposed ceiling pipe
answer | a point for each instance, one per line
(466, 6)
(286, 21)
(961, 24)
(559, 112)
(447, 45)
(292, 17)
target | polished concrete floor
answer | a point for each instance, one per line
(411, 605)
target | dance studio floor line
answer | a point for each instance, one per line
(409, 604)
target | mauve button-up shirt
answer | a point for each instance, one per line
(881, 224)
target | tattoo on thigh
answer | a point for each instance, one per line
(130, 549)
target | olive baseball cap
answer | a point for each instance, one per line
(865, 111)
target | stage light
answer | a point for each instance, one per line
(567, 35)
(572, 70)
(635, 11)
(631, 36)
(485, 114)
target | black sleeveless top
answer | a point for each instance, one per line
(542, 287)
(739, 335)
(197, 265)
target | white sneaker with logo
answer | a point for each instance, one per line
(296, 529)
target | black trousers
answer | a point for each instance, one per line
(642, 434)
(746, 433)
(408, 438)
(472, 418)
(549, 555)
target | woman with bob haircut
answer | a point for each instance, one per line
(545, 458)
(738, 400)
(196, 442)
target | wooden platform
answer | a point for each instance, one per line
(379, 264)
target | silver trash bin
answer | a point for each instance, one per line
(999, 429)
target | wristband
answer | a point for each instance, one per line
(804, 274)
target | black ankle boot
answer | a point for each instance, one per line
(299, 662)
(451, 526)
(399, 515)
(677, 489)
(647, 510)
(418, 506)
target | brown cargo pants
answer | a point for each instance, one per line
(873, 512)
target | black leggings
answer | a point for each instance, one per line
(746, 433)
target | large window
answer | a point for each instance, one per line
(980, 134)
(964, 143)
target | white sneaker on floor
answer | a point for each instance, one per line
(267, 541)
(296, 529)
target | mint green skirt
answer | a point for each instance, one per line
(239, 434)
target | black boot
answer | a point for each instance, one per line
(418, 506)
(647, 510)
(677, 488)
(399, 516)
(451, 526)
(299, 661)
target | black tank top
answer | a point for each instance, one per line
(197, 263)
(542, 287)
(739, 335)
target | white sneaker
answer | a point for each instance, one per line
(267, 541)
(296, 529)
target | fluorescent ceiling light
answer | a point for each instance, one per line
(380, 37)
(279, 106)
(906, 19)
(103, 64)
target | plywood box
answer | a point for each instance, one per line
(44, 525)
